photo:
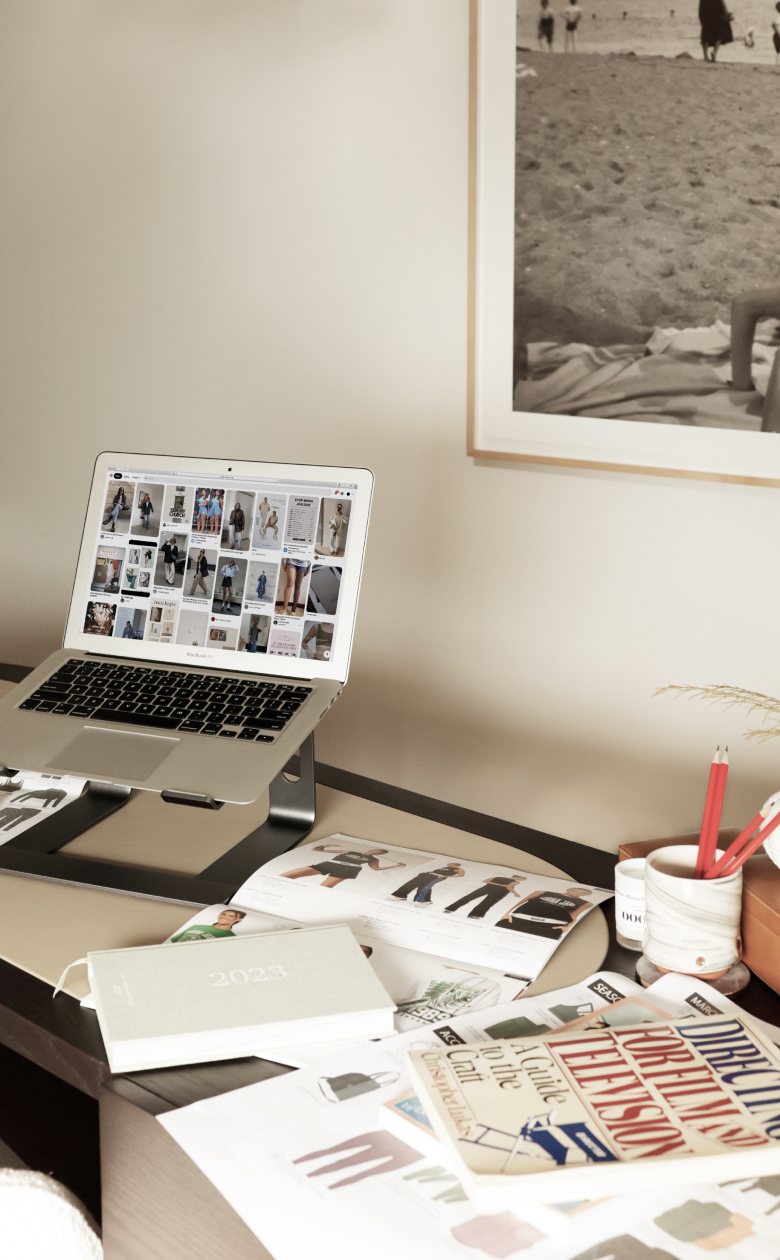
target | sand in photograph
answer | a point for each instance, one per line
(647, 194)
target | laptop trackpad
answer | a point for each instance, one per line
(114, 754)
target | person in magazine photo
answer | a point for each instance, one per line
(345, 864)
(547, 913)
(646, 216)
(223, 926)
(422, 885)
(480, 900)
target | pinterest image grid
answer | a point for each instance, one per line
(237, 569)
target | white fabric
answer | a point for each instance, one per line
(680, 376)
(41, 1220)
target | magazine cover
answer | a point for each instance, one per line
(598, 1111)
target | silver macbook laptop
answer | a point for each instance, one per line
(209, 629)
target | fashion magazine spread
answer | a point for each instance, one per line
(598, 1110)
(311, 1164)
(476, 912)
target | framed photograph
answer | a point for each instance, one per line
(622, 198)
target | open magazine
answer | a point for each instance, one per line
(475, 912)
(445, 936)
(314, 1164)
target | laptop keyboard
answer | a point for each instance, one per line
(203, 704)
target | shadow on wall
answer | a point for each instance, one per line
(597, 793)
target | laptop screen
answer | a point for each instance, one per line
(255, 569)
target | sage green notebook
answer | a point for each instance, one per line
(163, 1005)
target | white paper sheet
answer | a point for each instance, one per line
(35, 796)
(310, 1174)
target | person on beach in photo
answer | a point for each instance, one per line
(273, 523)
(335, 525)
(546, 26)
(201, 573)
(225, 922)
(346, 864)
(571, 17)
(146, 507)
(227, 573)
(236, 525)
(170, 555)
(715, 21)
(296, 571)
(746, 310)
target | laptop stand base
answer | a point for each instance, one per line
(291, 815)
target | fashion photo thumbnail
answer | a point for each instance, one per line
(268, 522)
(292, 588)
(117, 507)
(147, 510)
(230, 584)
(237, 520)
(171, 559)
(332, 527)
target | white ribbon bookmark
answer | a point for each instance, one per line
(61, 980)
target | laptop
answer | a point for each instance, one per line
(209, 629)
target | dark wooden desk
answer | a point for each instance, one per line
(141, 1166)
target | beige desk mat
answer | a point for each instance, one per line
(45, 926)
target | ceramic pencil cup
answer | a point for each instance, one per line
(691, 925)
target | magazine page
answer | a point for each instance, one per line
(476, 912)
(33, 796)
(308, 1161)
(686, 995)
(358, 1083)
(613, 1108)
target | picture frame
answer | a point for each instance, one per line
(494, 430)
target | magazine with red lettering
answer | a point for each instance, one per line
(583, 1113)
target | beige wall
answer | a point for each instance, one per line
(238, 227)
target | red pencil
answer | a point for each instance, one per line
(736, 846)
(705, 822)
(711, 843)
(751, 848)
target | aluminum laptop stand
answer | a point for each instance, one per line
(36, 852)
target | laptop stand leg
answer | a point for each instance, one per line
(291, 814)
(35, 852)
